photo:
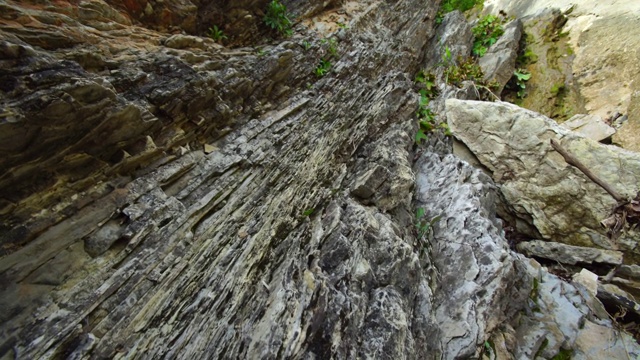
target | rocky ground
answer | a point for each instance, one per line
(168, 194)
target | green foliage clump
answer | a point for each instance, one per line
(521, 77)
(563, 354)
(486, 33)
(277, 18)
(323, 68)
(448, 6)
(464, 69)
(426, 117)
(216, 34)
(428, 83)
(330, 49)
(527, 57)
(557, 89)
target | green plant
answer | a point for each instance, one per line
(557, 89)
(323, 68)
(216, 34)
(308, 212)
(306, 45)
(486, 33)
(427, 81)
(331, 46)
(489, 349)
(448, 6)
(446, 57)
(563, 354)
(423, 225)
(426, 119)
(521, 76)
(341, 25)
(527, 57)
(465, 69)
(276, 17)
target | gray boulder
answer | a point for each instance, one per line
(540, 188)
(568, 254)
(499, 62)
(590, 126)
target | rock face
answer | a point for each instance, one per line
(560, 201)
(164, 196)
(454, 33)
(121, 236)
(477, 275)
(601, 72)
(499, 62)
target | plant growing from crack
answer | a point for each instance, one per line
(521, 77)
(216, 34)
(426, 117)
(423, 226)
(331, 46)
(448, 6)
(277, 18)
(486, 33)
(323, 68)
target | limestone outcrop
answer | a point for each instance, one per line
(164, 196)
(585, 59)
(169, 195)
(560, 202)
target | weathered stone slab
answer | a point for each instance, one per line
(540, 188)
(590, 126)
(568, 254)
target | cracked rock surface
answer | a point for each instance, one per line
(165, 196)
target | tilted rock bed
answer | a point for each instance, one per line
(166, 197)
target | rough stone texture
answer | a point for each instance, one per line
(590, 126)
(542, 190)
(122, 237)
(567, 254)
(604, 67)
(453, 33)
(561, 316)
(478, 283)
(163, 196)
(484, 292)
(499, 62)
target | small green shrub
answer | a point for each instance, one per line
(448, 6)
(486, 33)
(465, 69)
(427, 81)
(521, 76)
(306, 45)
(323, 68)
(423, 225)
(216, 34)
(276, 17)
(563, 354)
(527, 57)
